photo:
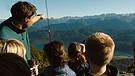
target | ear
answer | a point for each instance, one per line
(26, 19)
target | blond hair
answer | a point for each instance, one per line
(99, 48)
(12, 46)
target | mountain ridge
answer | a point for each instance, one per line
(120, 27)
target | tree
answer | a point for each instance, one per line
(39, 56)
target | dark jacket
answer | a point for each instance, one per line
(78, 69)
(13, 65)
(111, 71)
(58, 71)
(9, 30)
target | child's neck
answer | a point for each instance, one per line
(97, 70)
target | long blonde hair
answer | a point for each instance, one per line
(12, 46)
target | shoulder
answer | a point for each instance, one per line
(4, 26)
(60, 71)
(70, 72)
(5, 32)
(6, 22)
(113, 70)
(47, 72)
(67, 67)
(132, 70)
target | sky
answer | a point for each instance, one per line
(61, 8)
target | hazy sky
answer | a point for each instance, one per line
(61, 8)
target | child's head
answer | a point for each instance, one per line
(73, 49)
(99, 48)
(75, 52)
(55, 52)
(12, 46)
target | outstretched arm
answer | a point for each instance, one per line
(38, 17)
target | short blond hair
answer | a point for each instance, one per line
(12, 46)
(99, 48)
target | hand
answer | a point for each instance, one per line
(38, 17)
(34, 70)
(42, 16)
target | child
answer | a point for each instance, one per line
(56, 55)
(77, 59)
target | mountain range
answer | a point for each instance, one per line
(121, 27)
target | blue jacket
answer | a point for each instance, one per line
(58, 71)
(9, 30)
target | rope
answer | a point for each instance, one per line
(49, 31)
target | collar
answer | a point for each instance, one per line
(106, 73)
(12, 26)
